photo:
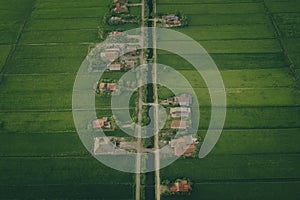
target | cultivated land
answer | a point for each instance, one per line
(255, 44)
(42, 44)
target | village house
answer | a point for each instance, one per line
(180, 112)
(171, 20)
(114, 33)
(110, 54)
(102, 145)
(183, 100)
(101, 123)
(185, 145)
(129, 62)
(132, 49)
(120, 6)
(106, 145)
(115, 67)
(179, 124)
(180, 186)
(103, 87)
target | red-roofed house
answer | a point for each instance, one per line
(179, 124)
(107, 87)
(180, 186)
(101, 123)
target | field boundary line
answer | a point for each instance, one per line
(267, 180)
(13, 48)
(281, 43)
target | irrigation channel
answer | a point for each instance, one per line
(150, 176)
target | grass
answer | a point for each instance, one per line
(256, 117)
(72, 3)
(249, 8)
(257, 141)
(41, 65)
(219, 32)
(4, 51)
(37, 121)
(283, 6)
(69, 13)
(226, 19)
(235, 167)
(58, 170)
(257, 153)
(62, 24)
(243, 190)
(253, 78)
(70, 191)
(50, 51)
(161, 2)
(287, 18)
(229, 61)
(235, 46)
(256, 157)
(63, 36)
(243, 97)
(46, 144)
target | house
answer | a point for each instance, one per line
(101, 123)
(180, 112)
(129, 62)
(110, 54)
(179, 124)
(184, 145)
(113, 20)
(183, 100)
(120, 6)
(190, 150)
(132, 49)
(180, 186)
(172, 20)
(114, 33)
(170, 17)
(115, 67)
(107, 87)
(102, 145)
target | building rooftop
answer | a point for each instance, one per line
(179, 124)
(180, 186)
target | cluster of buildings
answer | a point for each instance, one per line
(170, 20)
(106, 145)
(107, 87)
(118, 60)
(180, 185)
(120, 6)
(101, 123)
(120, 13)
(180, 114)
(185, 145)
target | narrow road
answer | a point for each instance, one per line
(140, 114)
(156, 125)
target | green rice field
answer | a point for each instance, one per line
(254, 43)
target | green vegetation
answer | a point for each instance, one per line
(255, 45)
(40, 52)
